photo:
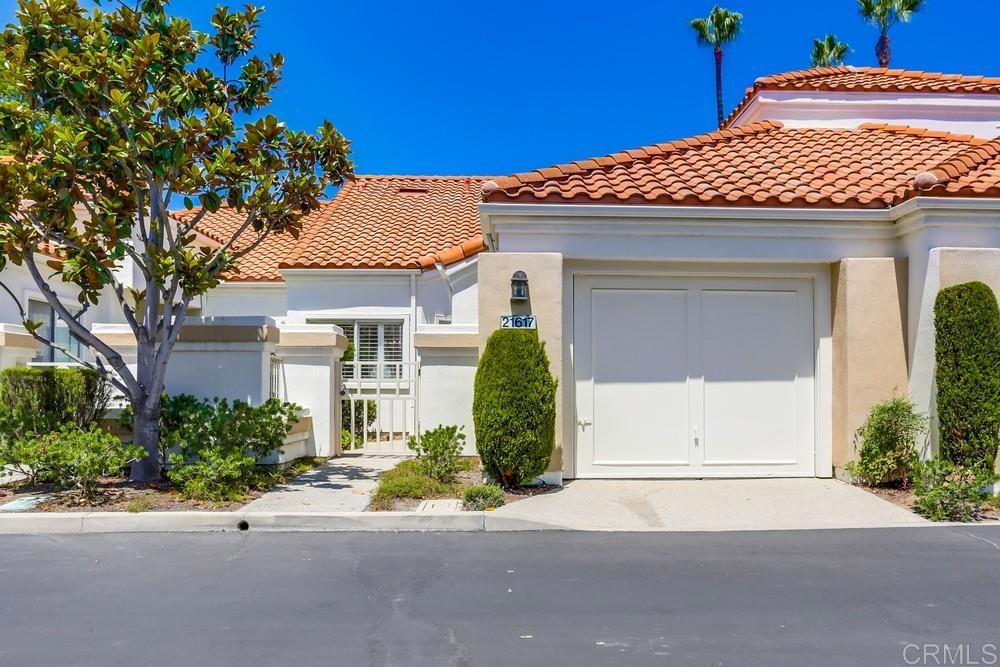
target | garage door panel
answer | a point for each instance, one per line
(640, 377)
(694, 376)
(750, 342)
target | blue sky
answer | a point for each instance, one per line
(478, 88)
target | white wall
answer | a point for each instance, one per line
(446, 382)
(433, 297)
(245, 298)
(978, 115)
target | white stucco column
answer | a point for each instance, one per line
(310, 357)
(448, 356)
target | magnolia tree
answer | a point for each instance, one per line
(109, 117)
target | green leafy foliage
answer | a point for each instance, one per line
(888, 443)
(75, 458)
(949, 492)
(40, 400)
(967, 329)
(115, 113)
(438, 450)
(514, 407)
(409, 480)
(480, 497)
(213, 446)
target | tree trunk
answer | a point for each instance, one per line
(146, 414)
(718, 85)
(883, 50)
(146, 434)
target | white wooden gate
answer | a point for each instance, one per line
(380, 400)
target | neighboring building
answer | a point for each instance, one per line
(392, 261)
(730, 304)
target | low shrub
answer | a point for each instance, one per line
(887, 443)
(967, 350)
(409, 480)
(483, 497)
(215, 445)
(38, 401)
(175, 412)
(438, 451)
(514, 407)
(73, 458)
(948, 492)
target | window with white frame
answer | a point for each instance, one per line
(55, 330)
(376, 345)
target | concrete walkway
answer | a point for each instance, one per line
(342, 484)
(709, 505)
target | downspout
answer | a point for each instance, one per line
(447, 283)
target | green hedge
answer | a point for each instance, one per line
(41, 400)
(967, 327)
(514, 407)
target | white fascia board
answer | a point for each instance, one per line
(720, 221)
(731, 222)
(324, 274)
(818, 105)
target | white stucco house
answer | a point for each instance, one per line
(725, 305)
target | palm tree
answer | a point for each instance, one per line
(828, 51)
(720, 28)
(883, 14)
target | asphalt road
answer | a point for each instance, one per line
(818, 598)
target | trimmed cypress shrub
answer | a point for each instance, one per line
(514, 407)
(967, 329)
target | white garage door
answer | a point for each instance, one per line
(694, 377)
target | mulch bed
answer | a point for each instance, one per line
(121, 495)
(907, 499)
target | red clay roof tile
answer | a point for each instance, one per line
(375, 222)
(765, 164)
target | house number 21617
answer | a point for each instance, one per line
(518, 322)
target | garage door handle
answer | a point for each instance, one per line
(584, 422)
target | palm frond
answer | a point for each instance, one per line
(726, 24)
(703, 32)
(720, 27)
(829, 51)
(905, 9)
(883, 14)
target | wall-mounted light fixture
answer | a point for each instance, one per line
(519, 286)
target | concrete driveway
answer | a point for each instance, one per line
(710, 505)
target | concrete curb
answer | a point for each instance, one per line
(76, 523)
(91, 523)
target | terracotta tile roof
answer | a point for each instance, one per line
(766, 164)
(261, 263)
(395, 222)
(378, 222)
(869, 80)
